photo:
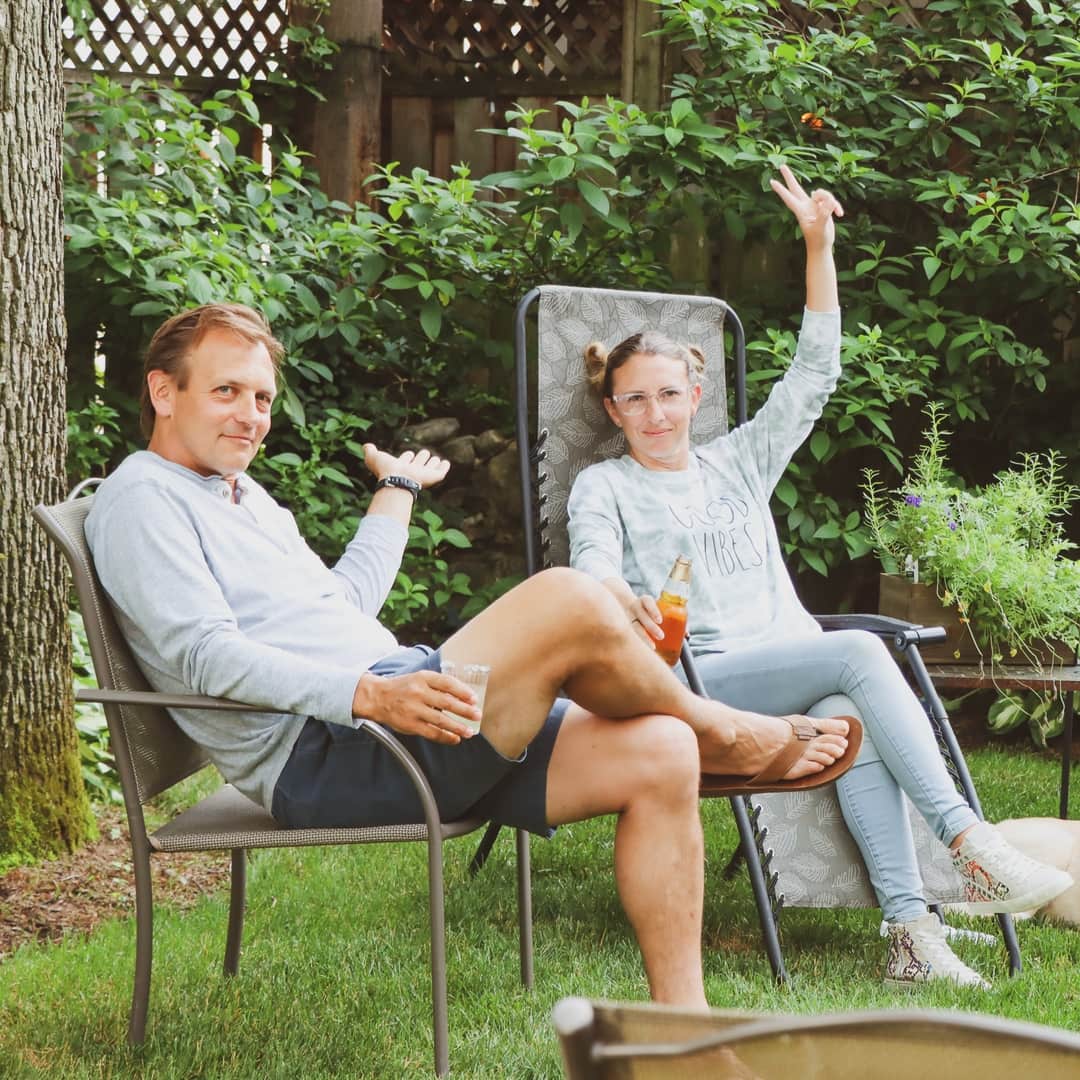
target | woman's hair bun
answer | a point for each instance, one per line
(596, 358)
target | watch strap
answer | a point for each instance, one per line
(406, 483)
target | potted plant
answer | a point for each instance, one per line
(994, 557)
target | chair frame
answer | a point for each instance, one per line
(903, 636)
(601, 1039)
(227, 820)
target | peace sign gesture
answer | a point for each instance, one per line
(813, 212)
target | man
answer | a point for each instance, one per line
(218, 594)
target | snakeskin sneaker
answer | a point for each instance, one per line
(918, 953)
(998, 879)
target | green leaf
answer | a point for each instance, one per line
(892, 296)
(306, 298)
(786, 493)
(200, 287)
(681, 108)
(292, 406)
(594, 196)
(371, 266)
(829, 531)
(328, 472)
(256, 193)
(401, 281)
(572, 218)
(456, 538)
(431, 318)
(935, 333)
(819, 444)
(931, 265)
(150, 307)
(561, 167)
(814, 561)
(674, 136)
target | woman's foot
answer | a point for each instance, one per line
(919, 953)
(738, 743)
(999, 879)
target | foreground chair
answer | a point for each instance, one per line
(796, 846)
(606, 1041)
(152, 754)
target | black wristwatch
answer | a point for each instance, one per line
(406, 483)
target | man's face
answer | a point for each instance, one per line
(216, 423)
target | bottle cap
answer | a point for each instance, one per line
(681, 570)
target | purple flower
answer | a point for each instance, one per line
(913, 500)
(952, 525)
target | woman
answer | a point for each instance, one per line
(757, 647)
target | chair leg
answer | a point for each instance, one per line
(237, 891)
(144, 942)
(525, 938)
(1012, 946)
(1066, 754)
(761, 892)
(438, 953)
(483, 849)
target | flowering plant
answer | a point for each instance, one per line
(998, 552)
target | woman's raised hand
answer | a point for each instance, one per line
(814, 212)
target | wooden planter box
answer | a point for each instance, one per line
(903, 599)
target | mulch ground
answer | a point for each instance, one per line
(73, 894)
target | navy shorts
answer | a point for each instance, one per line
(339, 776)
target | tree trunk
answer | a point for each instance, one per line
(43, 805)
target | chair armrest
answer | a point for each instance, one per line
(199, 701)
(163, 701)
(902, 632)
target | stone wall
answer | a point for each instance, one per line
(483, 484)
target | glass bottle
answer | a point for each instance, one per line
(672, 605)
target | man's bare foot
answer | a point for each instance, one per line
(742, 743)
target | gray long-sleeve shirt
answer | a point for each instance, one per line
(225, 598)
(630, 522)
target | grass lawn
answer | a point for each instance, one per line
(334, 978)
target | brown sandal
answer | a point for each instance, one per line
(771, 777)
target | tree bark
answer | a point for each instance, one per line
(43, 804)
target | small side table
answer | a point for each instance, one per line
(1063, 680)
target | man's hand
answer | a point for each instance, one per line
(422, 465)
(412, 704)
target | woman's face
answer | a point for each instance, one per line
(659, 435)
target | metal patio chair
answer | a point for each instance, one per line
(797, 849)
(607, 1041)
(152, 754)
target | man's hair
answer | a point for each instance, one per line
(177, 337)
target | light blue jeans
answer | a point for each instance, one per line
(899, 752)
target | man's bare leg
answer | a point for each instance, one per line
(646, 770)
(563, 630)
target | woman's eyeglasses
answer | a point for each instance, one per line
(671, 398)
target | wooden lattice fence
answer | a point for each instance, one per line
(216, 40)
(468, 48)
(449, 67)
